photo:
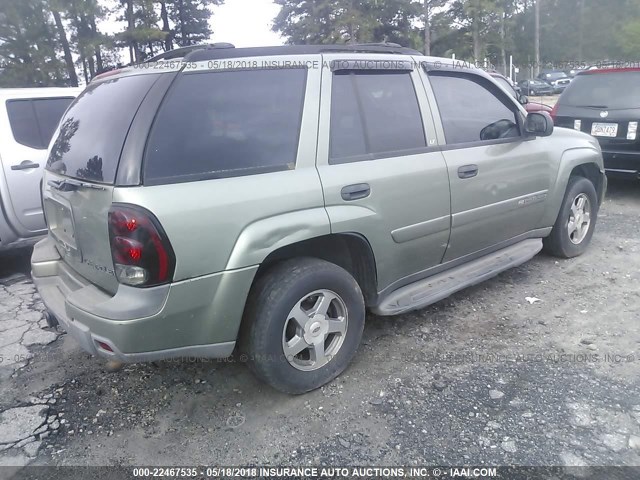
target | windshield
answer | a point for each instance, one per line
(604, 90)
(93, 131)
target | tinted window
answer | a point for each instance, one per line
(24, 125)
(93, 131)
(49, 111)
(374, 113)
(604, 90)
(506, 85)
(470, 112)
(222, 124)
(34, 121)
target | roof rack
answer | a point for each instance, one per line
(216, 51)
(184, 51)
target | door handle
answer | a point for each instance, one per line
(26, 165)
(355, 192)
(468, 171)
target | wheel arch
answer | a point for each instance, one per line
(350, 251)
(582, 162)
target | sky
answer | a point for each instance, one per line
(245, 23)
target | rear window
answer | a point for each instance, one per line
(93, 131)
(224, 124)
(604, 90)
(33, 121)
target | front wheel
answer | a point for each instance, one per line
(576, 221)
(302, 325)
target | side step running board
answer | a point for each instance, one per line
(433, 289)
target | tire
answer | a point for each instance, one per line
(302, 286)
(561, 243)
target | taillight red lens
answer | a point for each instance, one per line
(141, 252)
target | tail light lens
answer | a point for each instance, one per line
(554, 112)
(141, 252)
(632, 131)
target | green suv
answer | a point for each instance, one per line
(265, 198)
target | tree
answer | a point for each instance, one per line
(141, 35)
(537, 38)
(352, 21)
(191, 20)
(28, 45)
(429, 7)
(56, 6)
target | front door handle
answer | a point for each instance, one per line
(26, 165)
(468, 171)
(355, 192)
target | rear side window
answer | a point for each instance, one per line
(224, 124)
(471, 112)
(33, 121)
(93, 131)
(616, 90)
(374, 114)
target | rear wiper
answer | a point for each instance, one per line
(68, 185)
(592, 106)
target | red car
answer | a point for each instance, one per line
(515, 91)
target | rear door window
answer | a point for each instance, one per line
(93, 131)
(33, 121)
(225, 124)
(374, 114)
(472, 109)
(615, 90)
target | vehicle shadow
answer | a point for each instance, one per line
(15, 261)
(619, 189)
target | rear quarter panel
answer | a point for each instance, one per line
(232, 223)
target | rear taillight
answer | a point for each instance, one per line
(554, 112)
(141, 252)
(632, 131)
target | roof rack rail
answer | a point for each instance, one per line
(207, 53)
(184, 51)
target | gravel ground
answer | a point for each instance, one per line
(485, 377)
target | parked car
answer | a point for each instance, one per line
(558, 79)
(516, 92)
(535, 87)
(606, 104)
(28, 118)
(193, 210)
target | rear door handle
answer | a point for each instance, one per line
(468, 171)
(355, 192)
(26, 165)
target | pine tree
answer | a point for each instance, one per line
(191, 20)
(28, 51)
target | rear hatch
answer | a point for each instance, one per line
(605, 105)
(81, 173)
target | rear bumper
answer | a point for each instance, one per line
(194, 318)
(622, 163)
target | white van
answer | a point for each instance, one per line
(28, 119)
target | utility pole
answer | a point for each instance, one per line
(427, 28)
(537, 38)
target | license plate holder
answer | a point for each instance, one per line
(609, 130)
(62, 227)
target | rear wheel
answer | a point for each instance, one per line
(303, 324)
(576, 221)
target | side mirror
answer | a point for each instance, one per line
(538, 124)
(523, 99)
